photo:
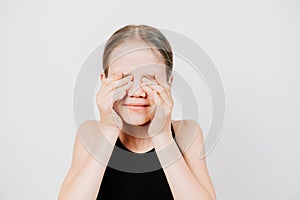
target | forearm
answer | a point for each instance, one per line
(85, 184)
(183, 183)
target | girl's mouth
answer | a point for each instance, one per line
(137, 106)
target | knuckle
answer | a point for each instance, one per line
(104, 83)
(160, 90)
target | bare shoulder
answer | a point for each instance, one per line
(88, 124)
(185, 126)
(87, 134)
(80, 150)
(187, 132)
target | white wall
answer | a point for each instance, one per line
(254, 45)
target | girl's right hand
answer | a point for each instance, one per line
(112, 89)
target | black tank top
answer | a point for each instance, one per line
(134, 176)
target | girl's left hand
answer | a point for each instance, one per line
(160, 93)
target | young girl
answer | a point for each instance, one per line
(135, 105)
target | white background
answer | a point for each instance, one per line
(254, 45)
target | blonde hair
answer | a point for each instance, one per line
(152, 36)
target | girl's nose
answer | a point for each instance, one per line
(136, 90)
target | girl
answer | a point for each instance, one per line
(135, 106)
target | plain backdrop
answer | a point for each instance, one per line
(254, 44)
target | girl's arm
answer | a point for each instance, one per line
(84, 178)
(188, 175)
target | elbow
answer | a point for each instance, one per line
(213, 196)
(61, 196)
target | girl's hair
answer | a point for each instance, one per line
(152, 36)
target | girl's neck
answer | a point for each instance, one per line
(135, 138)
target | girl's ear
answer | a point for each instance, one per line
(102, 76)
(170, 81)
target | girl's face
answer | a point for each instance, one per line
(136, 58)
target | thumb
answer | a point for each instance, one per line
(158, 121)
(117, 119)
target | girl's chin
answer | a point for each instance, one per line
(137, 122)
(138, 118)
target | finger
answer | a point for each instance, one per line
(120, 92)
(105, 83)
(155, 82)
(121, 82)
(157, 99)
(147, 80)
(161, 92)
(159, 121)
(160, 89)
(103, 91)
(117, 119)
(167, 90)
(162, 82)
(158, 77)
(113, 77)
(117, 84)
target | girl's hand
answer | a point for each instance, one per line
(160, 93)
(112, 89)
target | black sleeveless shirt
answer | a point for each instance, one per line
(134, 176)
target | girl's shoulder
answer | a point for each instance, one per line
(185, 132)
(184, 125)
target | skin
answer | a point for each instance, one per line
(200, 185)
(187, 176)
(140, 62)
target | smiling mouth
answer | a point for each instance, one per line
(137, 106)
(144, 105)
